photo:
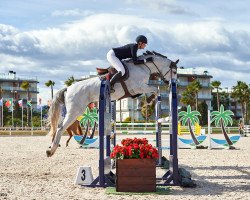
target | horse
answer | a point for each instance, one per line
(73, 129)
(77, 96)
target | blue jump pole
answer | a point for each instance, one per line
(171, 177)
(104, 130)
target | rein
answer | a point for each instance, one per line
(160, 73)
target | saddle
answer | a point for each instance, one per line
(108, 73)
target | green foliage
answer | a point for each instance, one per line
(223, 99)
(147, 110)
(70, 81)
(241, 92)
(202, 108)
(187, 97)
(17, 116)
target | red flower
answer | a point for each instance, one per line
(134, 148)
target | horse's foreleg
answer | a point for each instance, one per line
(150, 89)
(68, 120)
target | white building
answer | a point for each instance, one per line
(10, 87)
(130, 107)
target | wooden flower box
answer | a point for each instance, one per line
(136, 175)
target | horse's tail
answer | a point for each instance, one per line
(55, 111)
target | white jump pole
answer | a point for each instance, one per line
(209, 130)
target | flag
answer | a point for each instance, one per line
(1, 102)
(20, 103)
(39, 106)
(8, 103)
(29, 103)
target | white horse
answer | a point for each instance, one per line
(77, 96)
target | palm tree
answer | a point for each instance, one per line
(89, 118)
(222, 118)
(196, 85)
(187, 97)
(241, 92)
(50, 84)
(192, 90)
(190, 118)
(216, 84)
(70, 81)
(26, 85)
(146, 109)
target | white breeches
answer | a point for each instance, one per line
(115, 62)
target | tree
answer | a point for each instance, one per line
(202, 108)
(147, 109)
(187, 97)
(192, 90)
(196, 85)
(50, 84)
(241, 92)
(26, 85)
(216, 85)
(70, 81)
(224, 100)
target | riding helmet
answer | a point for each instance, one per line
(141, 38)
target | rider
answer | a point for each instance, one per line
(115, 55)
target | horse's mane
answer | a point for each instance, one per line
(148, 53)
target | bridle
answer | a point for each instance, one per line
(160, 74)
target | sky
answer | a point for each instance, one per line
(56, 39)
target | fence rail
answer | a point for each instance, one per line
(121, 128)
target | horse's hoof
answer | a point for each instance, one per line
(48, 153)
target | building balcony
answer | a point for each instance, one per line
(19, 89)
(204, 97)
(13, 77)
(185, 84)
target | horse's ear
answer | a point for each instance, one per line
(176, 61)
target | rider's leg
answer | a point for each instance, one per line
(116, 63)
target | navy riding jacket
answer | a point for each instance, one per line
(128, 51)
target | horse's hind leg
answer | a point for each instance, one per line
(70, 135)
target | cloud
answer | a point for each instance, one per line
(168, 6)
(78, 47)
(74, 13)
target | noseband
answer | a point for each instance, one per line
(159, 73)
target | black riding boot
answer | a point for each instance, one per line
(114, 79)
